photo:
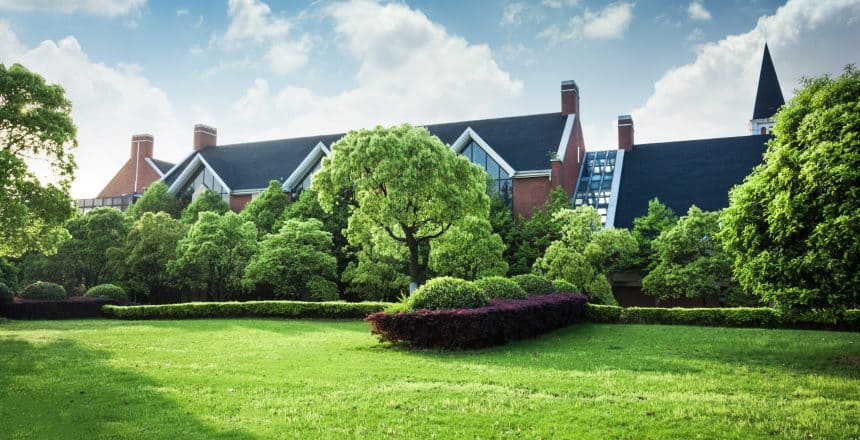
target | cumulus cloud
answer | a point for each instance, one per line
(511, 15)
(714, 95)
(109, 104)
(110, 8)
(285, 57)
(697, 11)
(558, 4)
(397, 79)
(610, 22)
(253, 20)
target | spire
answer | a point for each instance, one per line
(768, 98)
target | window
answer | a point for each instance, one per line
(595, 181)
(305, 183)
(500, 180)
(202, 177)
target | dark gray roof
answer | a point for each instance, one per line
(163, 165)
(525, 142)
(684, 173)
(768, 97)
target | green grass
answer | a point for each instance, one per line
(249, 379)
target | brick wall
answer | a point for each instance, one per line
(237, 202)
(529, 193)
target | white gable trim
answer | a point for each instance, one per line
(565, 137)
(463, 141)
(196, 163)
(531, 173)
(314, 156)
(170, 171)
(613, 189)
(154, 167)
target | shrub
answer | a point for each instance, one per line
(501, 321)
(563, 286)
(44, 290)
(6, 294)
(604, 314)
(250, 309)
(446, 293)
(108, 291)
(500, 287)
(72, 308)
(534, 284)
(321, 289)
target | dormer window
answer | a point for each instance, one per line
(500, 180)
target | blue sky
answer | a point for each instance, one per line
(260, 70)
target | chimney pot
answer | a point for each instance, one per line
(569, 97)
(204, 136)
(625, 132)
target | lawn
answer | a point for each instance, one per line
(248, 379)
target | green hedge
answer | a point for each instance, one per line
(723, 317)
(250, 309)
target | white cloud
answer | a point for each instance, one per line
(285, 57)
(713, 96)
(110, 8)
(697, 11)
(511, 14)
(399, 78)
(518, 53)
(109, 104)
(610, 22)
(252, 20)
(181, 12)
(195, 50)
(558, 4)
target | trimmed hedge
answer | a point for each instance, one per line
(502, 321)
(500, 287)
(44, 290)
(563, 286)
(76, 307)
(250, 309)
(108, 291)
(534, 284)
(756, 317)
(446, 293)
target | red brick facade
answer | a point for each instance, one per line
(135, 169)
(529, 193)
(237, 202)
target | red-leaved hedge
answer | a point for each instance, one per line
(503, 320)
(74, 307)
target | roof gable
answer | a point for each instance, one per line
(768, 97)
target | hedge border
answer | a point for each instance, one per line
(749, 317)
(75, 307)
(249, 309)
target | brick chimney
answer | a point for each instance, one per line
(625, 132)
(204, 136)
(141, 145)
(569, 97)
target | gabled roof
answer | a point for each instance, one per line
(525, 142)
(768, 97)
(695, 172)
(162, 165)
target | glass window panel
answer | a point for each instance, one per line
(493, 169)
(479, 157)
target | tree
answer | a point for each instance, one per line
(155, 199)
(9, 275)
(141, 263)
(469, 250)
(212, 256)
(378, 271)
(794, 224)
(648, 227)
(690, 261)
(207, 201)
(586, 253)
(35, 127)
(86, 255)
(405, 182)
(530, 238)
(294, 261)
(267, 208)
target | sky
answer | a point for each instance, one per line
(260, 70)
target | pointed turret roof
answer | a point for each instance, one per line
(768, 98)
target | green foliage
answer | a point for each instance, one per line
(36, 266)
(108, 291)
(794, 224)
(9, 274)
(690, 261)
(248, 309)
(212, 256)
(469, 250)
(267, 208)
(406, 183)
(44, 290)
(155, 199)
(295, 262)
(500, 287)
(446, 293)
(86, 256)
(379, 270)
(586, 253)
(534, 284)
(6, 294)
(529, 238)
(207, 201)
(648, 227)
(35, 123)
(140, 264)
(756, 317)
(563, 286)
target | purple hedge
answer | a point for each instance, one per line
(74, 307)
(503, 320)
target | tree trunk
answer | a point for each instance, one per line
(414, 266)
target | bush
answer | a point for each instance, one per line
(502, 321)
(500, 287)
(321, 289)
(44, 290)
(250, 309)
(534, 284)
(446, 293)
(108, 291)
(755, 317)
(6, 294)
(72, 308)
(563, 286)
